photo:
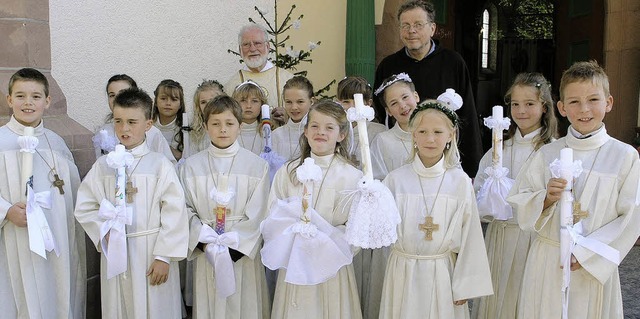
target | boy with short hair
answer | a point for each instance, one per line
(607, 190)
(38, 283)
(157, 232)
(225, 224)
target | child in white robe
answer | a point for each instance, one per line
(535, 124)
(439, 260)
(198, 137)
(251, 97)
(391, 149)
(325, 140)
(105, 140)
(248, 175)
(31, 285)
(157, 236)
(298, 98)
(368, 264)
(607, 189)
(168, 107)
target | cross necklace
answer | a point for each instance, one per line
(57, 181)
(129, 190)
(429, 227)
(577, 212)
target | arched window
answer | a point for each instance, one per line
(485, 39)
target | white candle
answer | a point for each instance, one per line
(266, 112)
(566, 200)
(363, 138)
(223, 183)
(497, 116)
(121, 178)
(27, 166)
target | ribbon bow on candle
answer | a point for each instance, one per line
(497, 123)
(119, 159)
(40, 236)
(105, 141)
(115, 218)
(217, 253)
(222, 198)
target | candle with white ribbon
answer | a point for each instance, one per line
(28, 145)
(497, 116)
(566, 220)
(186, 127)
(307, 174)
(266, 125)
(363, 136)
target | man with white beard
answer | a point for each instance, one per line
(254, 46)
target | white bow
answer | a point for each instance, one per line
(118, 159)
(115, 218)
(558, 170)
(222, 198)
(217, 253)
(609, 253)
(41, 238)
(28, 143)
(365, 113)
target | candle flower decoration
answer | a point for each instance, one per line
(492, 196)
(373, 215)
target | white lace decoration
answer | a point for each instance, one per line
(399, 77)
(452, 99)
(557, 171)
(222, 198)
(373, 216)
(306, 230)
(28, 143)
(309, 171)
(117, 160)
(105, 141)
(492, 196)
(501, 124)
(365, 113)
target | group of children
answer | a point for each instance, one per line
(209, 207)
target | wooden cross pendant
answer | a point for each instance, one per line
(130, 191)
(428, 228)
(58, 182)
(578, 213)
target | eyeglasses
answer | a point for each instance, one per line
(257, 44)
(418, 26)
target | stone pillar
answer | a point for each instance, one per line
(25, 42)
(360, 57)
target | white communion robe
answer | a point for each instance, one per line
(154, 139)
(248, 175)
(425, 277)
(608, 190)
(159, 229)
(250, 138)
(338, 296)
(507, 244)
(390, 150)
(31, 286)
(169, 132)
(286, 139)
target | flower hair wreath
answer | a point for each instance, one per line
(438, 105)
(396, 77)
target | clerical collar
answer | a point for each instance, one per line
(140, 150)
(436, 170)
(595, 140)
(230, 151)
(18, 128)
(266, 67)
(433, 48)
(583, 136)
(322, 161)
(249, 127)
(528, 138)
(400, 133)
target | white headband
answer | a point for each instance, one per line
(399, 77)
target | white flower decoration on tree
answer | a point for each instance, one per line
(312, 45)
(296, 24)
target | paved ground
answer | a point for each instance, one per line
(630, 280)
